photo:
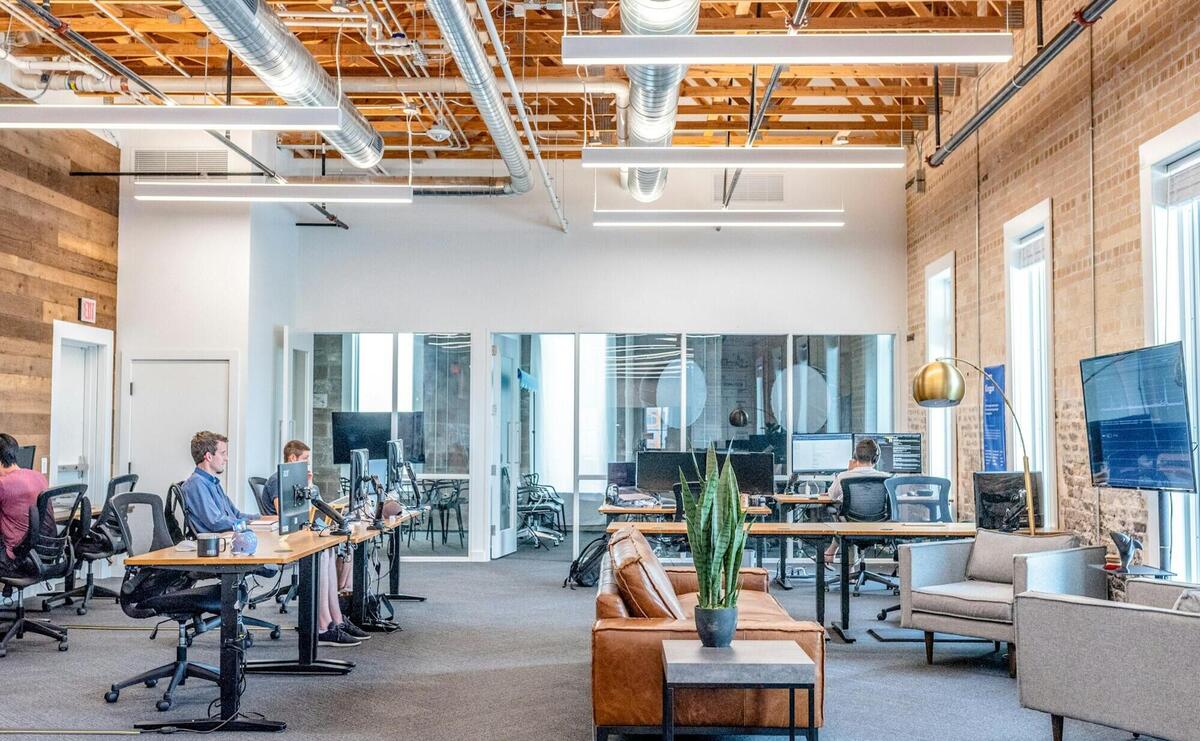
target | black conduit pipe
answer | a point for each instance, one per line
(1061, 41)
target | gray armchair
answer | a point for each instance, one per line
(1129, 665)
(966, 587)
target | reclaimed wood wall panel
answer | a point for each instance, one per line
(58, 243)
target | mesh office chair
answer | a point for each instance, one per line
(45, 554)
(917, 499)
(100, 542)
(258, 487)
(149, 592)
(865, 499)
(281, 594)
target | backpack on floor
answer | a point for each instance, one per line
(585, 570)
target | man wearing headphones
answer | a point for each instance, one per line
(866, 455)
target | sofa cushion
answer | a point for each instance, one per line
(993, 552)
(975, 600)
(641, 579)
(753, 607)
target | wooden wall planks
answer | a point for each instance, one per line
(58, 242)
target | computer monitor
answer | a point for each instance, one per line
(622, 474)
(395, 463)
(660, 470)
(25, 455)
(358, 479)
(367, 430)
(899, 452)
(293, 503)
(821, 453)
(1000, 500)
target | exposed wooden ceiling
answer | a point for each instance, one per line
(866, 104)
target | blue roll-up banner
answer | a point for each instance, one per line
(995, 438)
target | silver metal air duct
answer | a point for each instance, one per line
(259, 38)
(458, 29)
(654, 88)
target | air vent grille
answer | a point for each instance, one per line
(148, 162)
(753, 187)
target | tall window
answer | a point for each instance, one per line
(1176, 282)
(1027, 266)
(939, 343)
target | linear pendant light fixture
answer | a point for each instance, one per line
(709, 218)
(782, 158)
(179, 117)
(304, 192)
(805, 48)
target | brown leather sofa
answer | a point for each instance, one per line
(639, 604)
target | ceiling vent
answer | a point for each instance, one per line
(753, 187)
(148, 162)
(1014, 15)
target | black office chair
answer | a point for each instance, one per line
(149, 592)
(258, 487)
(102, 541)
(282, 594)
(865, 499)
(45, 554)
(176, 500)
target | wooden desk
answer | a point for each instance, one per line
(61, 515)
(232, 570)
(821, 500)
(613, 511)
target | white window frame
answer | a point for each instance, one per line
(934, 271)
(1039, 217)
(1154, 158)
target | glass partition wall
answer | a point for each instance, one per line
(416, 387)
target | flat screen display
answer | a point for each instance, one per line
(899, 452)
(25, 456)
(1000, 500)
(622, 474)
(1136, 412)
(369, 430)
(821, 453)
(659, 471)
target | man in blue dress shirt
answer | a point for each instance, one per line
(207, 505)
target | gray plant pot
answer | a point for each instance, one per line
(716, 626)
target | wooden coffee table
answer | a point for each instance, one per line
(744, 665)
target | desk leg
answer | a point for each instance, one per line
(306, 661)
(782, 579)
(394, 572)
(820, 563)
(811, 734)
(668, 712)
(843, 628)
(791, 714)
(358, 597)
(231, 673)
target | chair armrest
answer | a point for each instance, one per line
(1107, 662)
(627, 663)
(1061, 572)
(1155, 592)
(927, 564)
(684, 579)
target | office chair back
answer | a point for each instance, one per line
(258, 486)
(142, 583)
(865, 499)
(677, 491)
(106, 531)
(49, 545)
(175, 503)
(937, 503)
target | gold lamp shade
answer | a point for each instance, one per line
(938, 384)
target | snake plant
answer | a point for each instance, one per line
(716, 525)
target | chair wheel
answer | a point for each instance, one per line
(111, 696)
(283, 609)
(3, 652)
(68, 601)
(882, 615)
(80, 610)
(150, 682)
(62, 646)
(249, 640)
(275, 634)
(163, 705)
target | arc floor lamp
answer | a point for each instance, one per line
(940, 384)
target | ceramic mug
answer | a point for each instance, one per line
(209, 545)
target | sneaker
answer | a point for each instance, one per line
(336, 637)
(354, 631)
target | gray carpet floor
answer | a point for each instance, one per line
(500, 651)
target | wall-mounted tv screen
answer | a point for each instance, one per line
(1136, 411)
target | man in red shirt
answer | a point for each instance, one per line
(19, 490)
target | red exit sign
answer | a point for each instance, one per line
(87, 310)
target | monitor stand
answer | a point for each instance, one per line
(282, 545)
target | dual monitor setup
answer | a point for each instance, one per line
(824, 454)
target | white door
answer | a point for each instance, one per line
(506, 466)
(74, 418)
(170, 401)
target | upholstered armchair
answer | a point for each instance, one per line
(1129, 665)
(966, 587)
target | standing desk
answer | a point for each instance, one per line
(232, 569)
(360, 534)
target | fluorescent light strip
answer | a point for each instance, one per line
(712, 218)
(804, 48)
(221, 192)
(182, 117)
(804, 158)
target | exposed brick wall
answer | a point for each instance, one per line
(1131, 76)
(327, 380)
